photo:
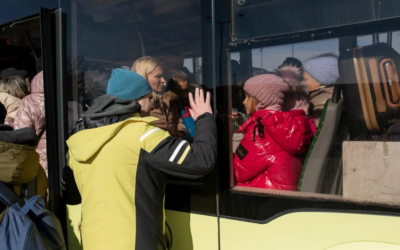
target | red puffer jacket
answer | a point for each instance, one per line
(266, 157)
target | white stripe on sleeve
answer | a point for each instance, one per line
(148, 133)
(178, 148)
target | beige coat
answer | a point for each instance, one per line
(318, 99)
(11, 103)
(31, 114)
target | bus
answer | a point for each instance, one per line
(348, 193)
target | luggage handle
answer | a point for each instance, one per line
(390, 80)
(28, 206)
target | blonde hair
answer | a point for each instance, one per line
(253, 102)
(15, 86)
(145, 65)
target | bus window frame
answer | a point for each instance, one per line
(360, 29)
(311, 32)
(344, 33)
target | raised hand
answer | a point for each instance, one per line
(199, 106)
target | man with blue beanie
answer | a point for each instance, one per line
(120, 161)
(320, 74)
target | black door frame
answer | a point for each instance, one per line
(53, 33)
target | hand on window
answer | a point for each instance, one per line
(199, 106)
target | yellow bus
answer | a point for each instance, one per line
(348, 193)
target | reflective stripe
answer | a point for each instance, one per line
(184, 155)
(177, 150)
(148, 133)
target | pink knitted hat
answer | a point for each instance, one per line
(268, 89)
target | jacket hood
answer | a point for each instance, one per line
(37, 83)
(108, 105)
(294, 78)
(23, 136)
(290, 130)
(85, 144)
(11, 103)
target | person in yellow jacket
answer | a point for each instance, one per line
(120, 160)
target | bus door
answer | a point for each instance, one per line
(52, 23)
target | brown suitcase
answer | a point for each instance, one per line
(371, 88)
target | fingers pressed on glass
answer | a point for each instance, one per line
(191, 101)
(208, 98)
(197, 95)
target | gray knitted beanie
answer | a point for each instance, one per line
(323, 68)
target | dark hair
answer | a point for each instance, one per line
(291, 61)
(177, 75)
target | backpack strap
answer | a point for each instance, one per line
(40, 135)
(30, 189)
(28, 205)
(7, 196)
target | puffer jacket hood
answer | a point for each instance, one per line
(87, 143)
(101, 122)
(106, 110)
(37, 83)
(297, 97)
(292, 75)
(109, 105)
(268, 155)
(11, 103)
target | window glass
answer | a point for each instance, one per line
(368, 39)
(338, 127)
(105, 35)
(396, 40)
(259, 18)
(267, 58)
(188, 63)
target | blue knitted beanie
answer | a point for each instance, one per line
(127, 85)
(323, 68)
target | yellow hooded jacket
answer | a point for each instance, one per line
(120, 170)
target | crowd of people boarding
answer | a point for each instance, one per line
(146, 127)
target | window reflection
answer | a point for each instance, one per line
(107, 35)
(342, 115)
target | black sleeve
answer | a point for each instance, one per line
(178, 157)
(70, 192)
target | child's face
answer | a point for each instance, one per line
(250, 104)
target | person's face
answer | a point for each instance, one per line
(249, 104)
(183, 91)
(156, 79)
(311, 82)
(145, 104)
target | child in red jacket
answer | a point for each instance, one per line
(268, 155)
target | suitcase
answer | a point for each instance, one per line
(371, 90)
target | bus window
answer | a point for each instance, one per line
(113, 34)
(341, 112)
